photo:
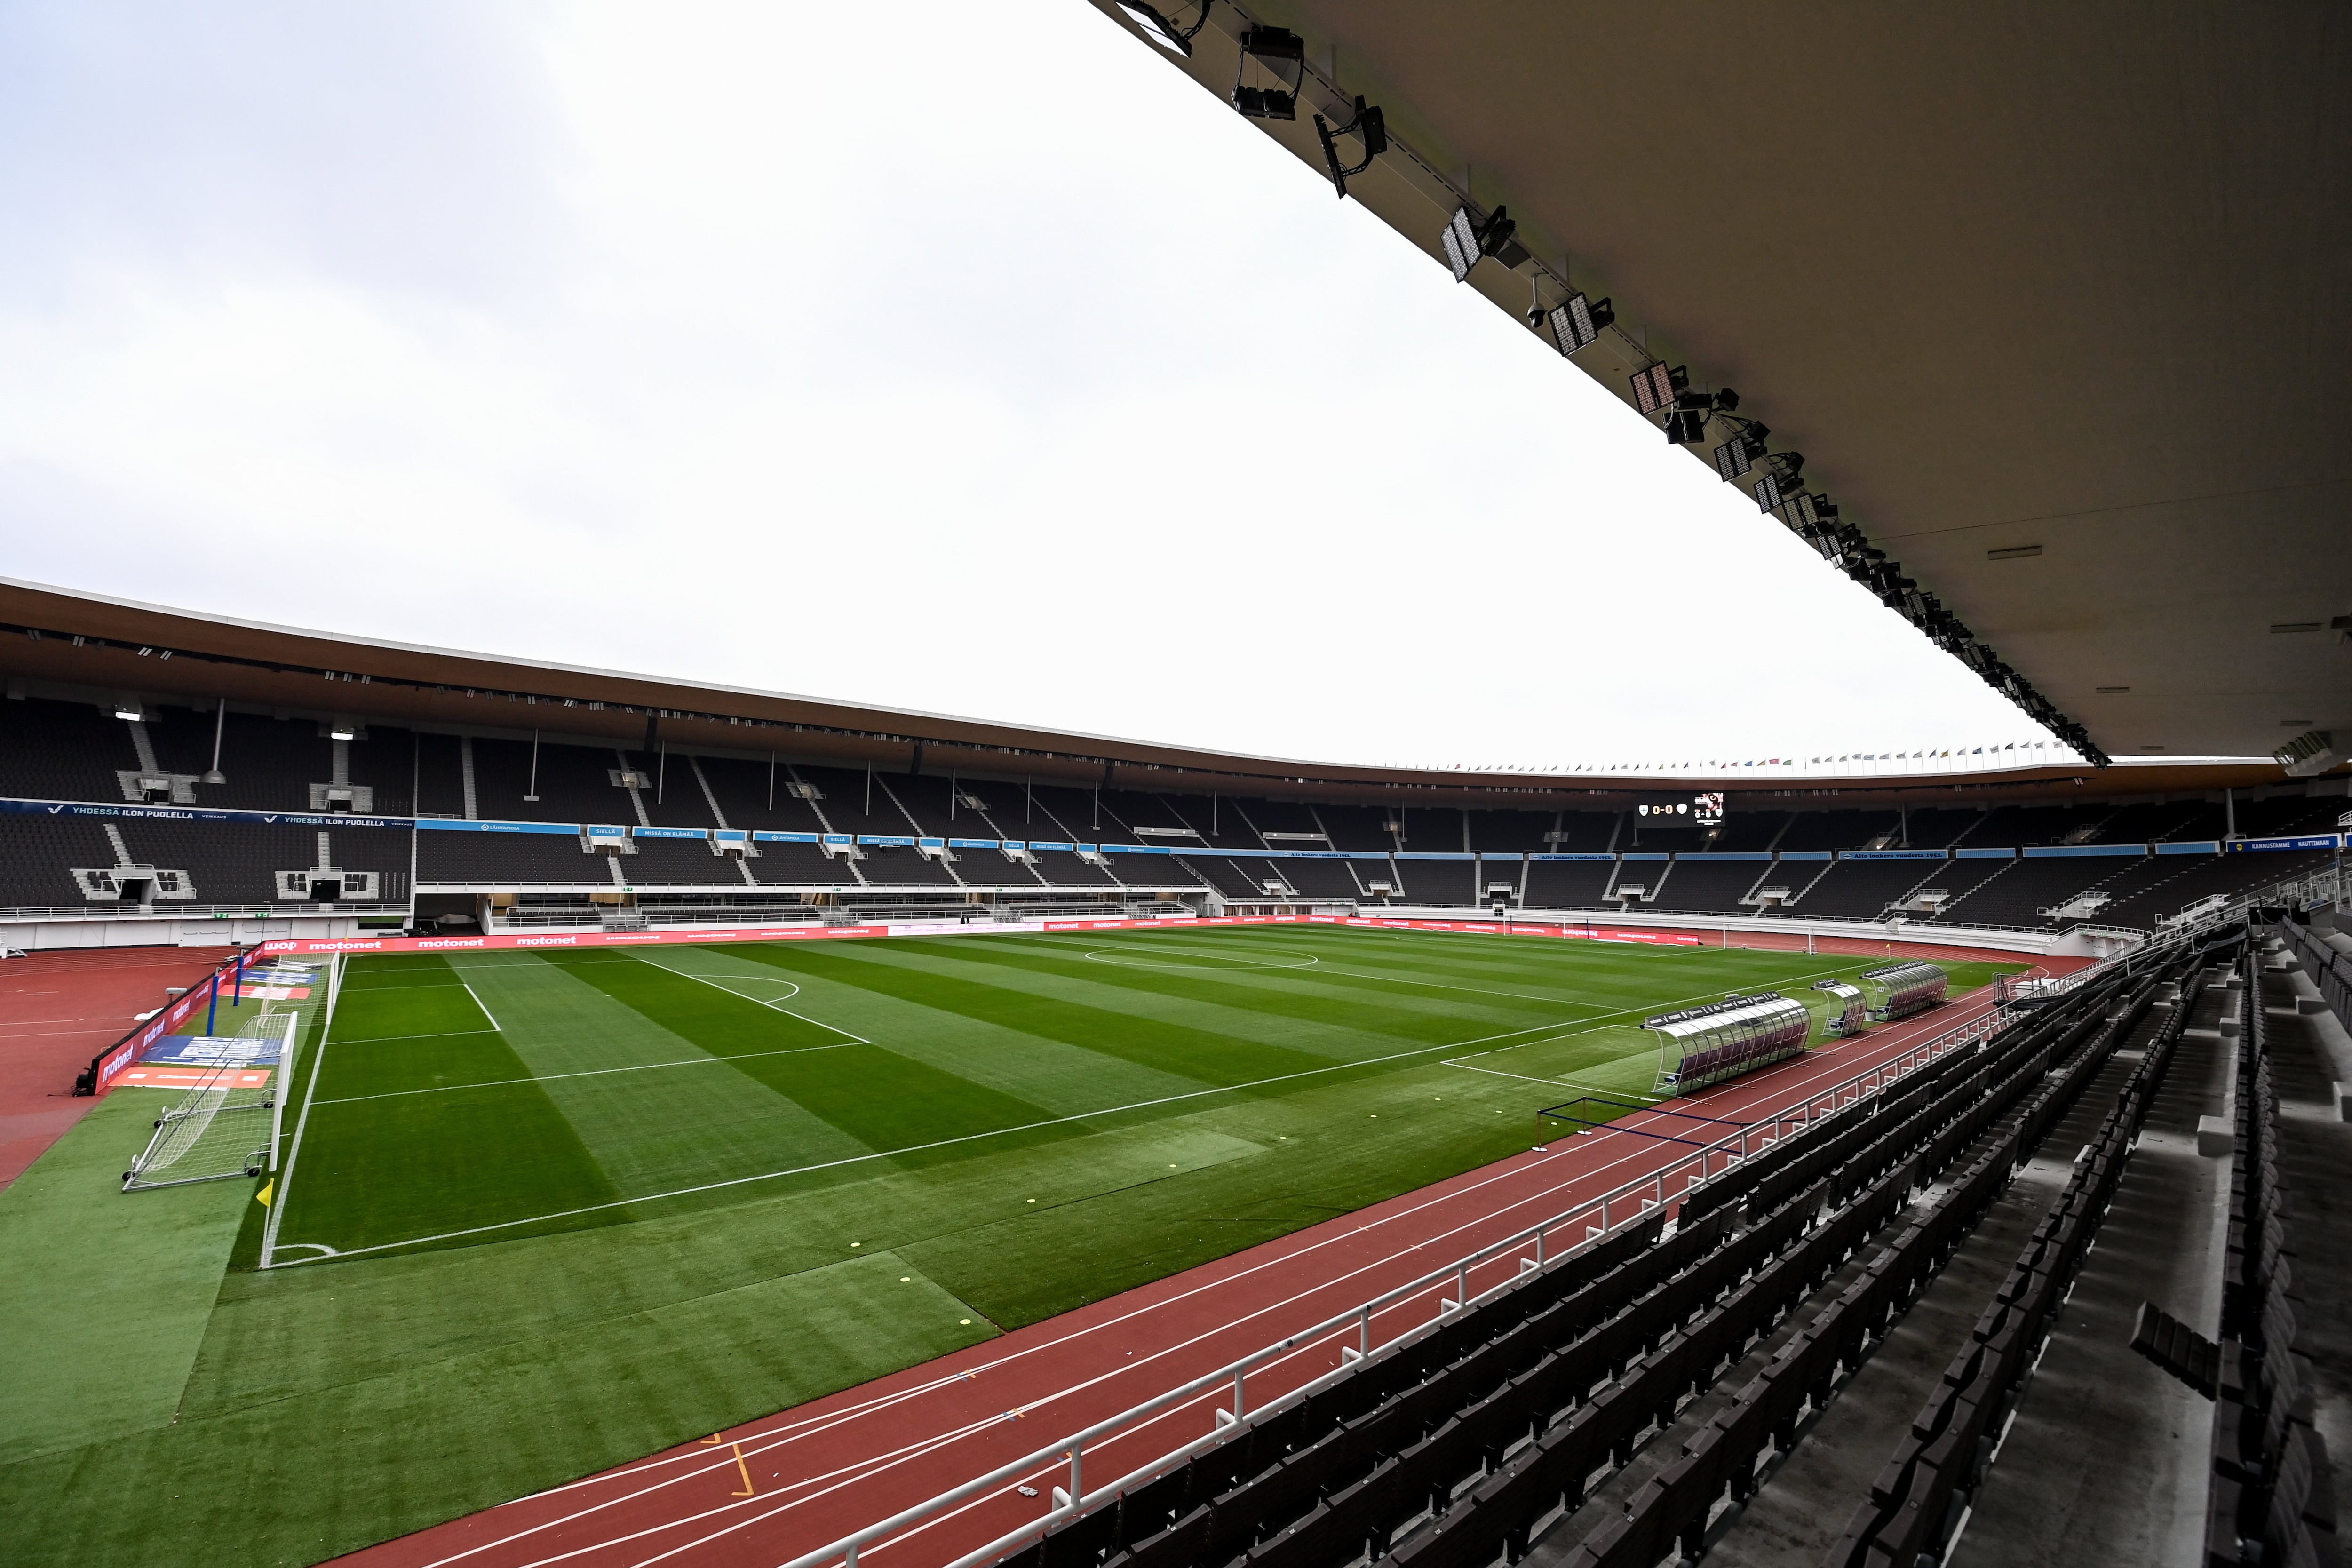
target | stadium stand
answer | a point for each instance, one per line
(1673, 837)
(1434, 830)
(1511, 832)
(1862, 889)
(799, 866)
(495, 860)
(757, 797)
(1330, 880)
(1586, 832)
(2016, 896)
(676, 861)
(1358, 827)
(1436, 882)
(1567, 884)
(1483, 1440)
(38, 854)
(62, 751)
(1936, 827)
(1842, 829)
(2192, 879)
(1750, 832)
(1709, 887)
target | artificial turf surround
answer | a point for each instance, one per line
(982, 1130)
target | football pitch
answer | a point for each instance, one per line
(547, 1211)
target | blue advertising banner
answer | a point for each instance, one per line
(2078, 851)
(888, 840)
(211, 1051)
(1894, 855)
(670, 833)
(1974, 854)
(1581, 857)
(2300, 841)
(71, 809)
(2190, 847)
(976, 843)
(1812, 854)
(1645, 855)
(1758, 855)
(1441, 855)
(1046, 843)
(455, 824)
(765, 836)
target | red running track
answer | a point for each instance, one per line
(58, 1010)
(839, 1464)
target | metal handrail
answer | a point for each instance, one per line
(1647, 1193)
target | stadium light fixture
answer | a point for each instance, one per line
(1576, 321)
(1684, 425)
(1279, 58)
(1369, 125)
(1466, 240)
(1656, 384)
(1736, 456)
(130, 708)
(342, 732)
(213, 775)
(1161, 31)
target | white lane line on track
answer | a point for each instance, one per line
(918, 1148)
(878, 1464)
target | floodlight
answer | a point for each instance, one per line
(1655, 387)
(1684, 425)
(1768, 493)
(1368, 124)
(1161, 30)
(1576, 322)
(342, 732)
(130, 709)
(1278, 55)
(1466, 240)
(1736, 456)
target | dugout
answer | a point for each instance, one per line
(1853, 1008)
(1902, 989)
(1701, 1046)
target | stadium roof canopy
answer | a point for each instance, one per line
(2051, 298)
(60, 644)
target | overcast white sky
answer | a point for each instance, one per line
(982, 365)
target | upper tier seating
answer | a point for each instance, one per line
(1328, 880)
(759, 798)
(2196, 876)
(1749, 831)
(1937, 827)
(1434, 830)
(1153, 871)
(38, 855)
(1842, 829)
(1511, 832)
(797, 865)
(1358, 827)
(1585, 832)
(62, 751)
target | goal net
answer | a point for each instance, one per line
(224, 1123)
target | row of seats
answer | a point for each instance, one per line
(2272, 1494)
(223, 863)
(1939, 1463)
(1452, 1447)
(53, 750)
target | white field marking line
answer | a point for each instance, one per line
(1390, 979)
(891, 1459)
(585, 1072)
(1144, 961)
(486, 1012)
(1561, 1082)
(791, 1431)
(787, 1012)
(310, 1093)
(939, 1143)
(430, 1035)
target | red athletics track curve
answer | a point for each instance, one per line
(58, 1009)
(843, 1462)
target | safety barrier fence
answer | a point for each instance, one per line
(1530, 1268)
(110, 1063)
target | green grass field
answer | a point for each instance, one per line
(553, 1210)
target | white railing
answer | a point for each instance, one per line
(1352, 1330)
